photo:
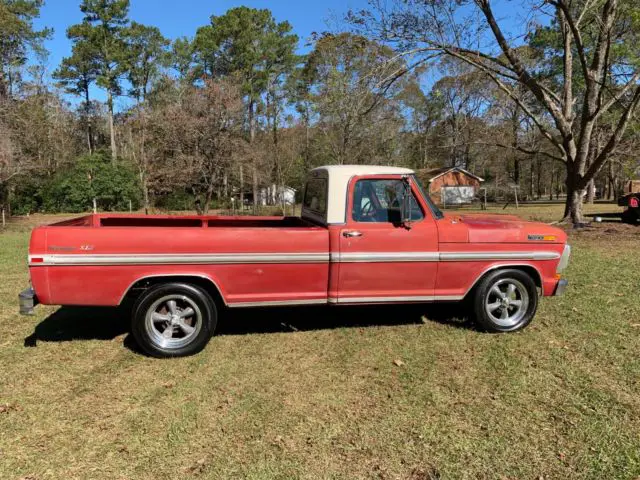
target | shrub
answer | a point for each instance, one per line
(92, 176)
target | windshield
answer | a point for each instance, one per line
(436, 211)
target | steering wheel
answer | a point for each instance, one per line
(368, 211)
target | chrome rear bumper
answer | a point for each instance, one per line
(560, 287)
(28, 301)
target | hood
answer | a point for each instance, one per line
(487, 228)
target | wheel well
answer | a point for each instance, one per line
(134, 291)
(528, 269)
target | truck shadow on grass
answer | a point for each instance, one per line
(101, 323)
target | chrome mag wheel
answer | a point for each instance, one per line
(507, 302)
(173, 321)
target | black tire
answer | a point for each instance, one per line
(521, 304)
(163, 329)
(630, 216)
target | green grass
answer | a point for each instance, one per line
(315, 393)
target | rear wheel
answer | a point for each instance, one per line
(173, 320)
(630, 216)
(505, 301)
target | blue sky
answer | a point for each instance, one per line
(183, 17)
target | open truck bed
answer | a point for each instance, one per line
(133, 220)
(248, 258)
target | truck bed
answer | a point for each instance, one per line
(249, 258)
(195, 221)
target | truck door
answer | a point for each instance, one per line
(380, 259)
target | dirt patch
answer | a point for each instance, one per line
(605, 231)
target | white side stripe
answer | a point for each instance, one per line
(461, 256)
(381, 257)
(283, 258)
(428, 298)
(348, 300)
(183, 258)
(279, 303)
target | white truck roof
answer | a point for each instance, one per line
(338, 177)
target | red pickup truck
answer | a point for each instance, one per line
(367, 235)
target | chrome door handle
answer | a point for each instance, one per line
(352, 234)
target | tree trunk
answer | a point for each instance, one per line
(4, 90)
(241, 187)
(573, 205)
(532, 180)
(254, 166)
(539, 185)
(208, 198)
(145, 192)
(112, 132)
(610, 195)
(87, 112)
(307, 140)
(514, 143)
(591, 191)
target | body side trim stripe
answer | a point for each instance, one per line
(240, 258)
(534, 255)
(348, 300)
(183, 258)
(276, 303)
(423, 298)
(380, 257)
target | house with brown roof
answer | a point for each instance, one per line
(450, 185)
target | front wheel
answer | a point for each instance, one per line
(505, 301)
(173, 320)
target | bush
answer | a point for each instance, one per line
(92, 176)
(177, 200)
(27, 195)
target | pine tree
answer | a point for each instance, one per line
(17, 36)
(102, 35)
(248, 43)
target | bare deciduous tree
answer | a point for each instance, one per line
(595, 78)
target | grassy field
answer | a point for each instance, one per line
(386, 393)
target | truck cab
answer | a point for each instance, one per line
(366, 235)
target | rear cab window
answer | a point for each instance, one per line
(314, 203)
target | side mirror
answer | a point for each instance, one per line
(406, 203)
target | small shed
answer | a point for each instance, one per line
(276, 195)
(450, 185)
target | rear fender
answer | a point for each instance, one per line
(204, 281)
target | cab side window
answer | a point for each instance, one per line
(381, 201)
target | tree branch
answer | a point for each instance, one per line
(525, 77)
(621, 127)
(521, 149)
(577, 36)
(547, 134)
(620, 94)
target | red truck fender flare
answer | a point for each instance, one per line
(525, 267)
(202, 278)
